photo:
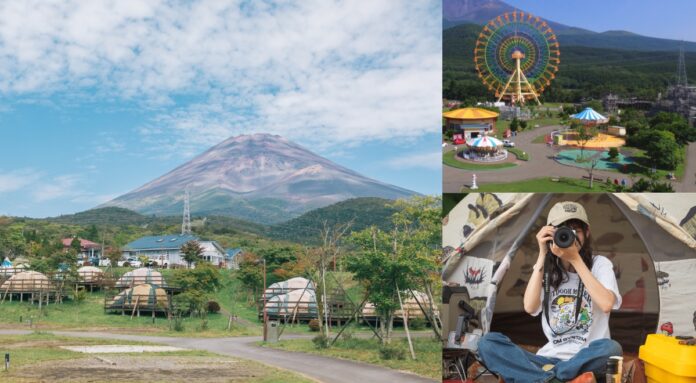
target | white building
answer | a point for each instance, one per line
(166, 249)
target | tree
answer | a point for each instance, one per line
(523, 124)
(191, 251)
(590, 170)
(400, 260)
(198, 286)
(113, 254)
(514, 124)
(663, 150)
(613, 154)
(75, 245)
(583, 135)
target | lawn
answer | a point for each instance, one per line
(43, 349)
(521, 155)
(449, 160)
(89, 314)
(428, 353)
(546, 184)
(644, 166)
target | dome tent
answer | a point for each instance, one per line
(300, 302)
(412, 306)
(143, 297)
(26, 282)
(139, 277)
(489, 248)
(90, 274)
(295, 297)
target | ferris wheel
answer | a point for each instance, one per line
(517, 56)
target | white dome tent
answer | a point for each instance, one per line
(489, 247)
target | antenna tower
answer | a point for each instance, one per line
(681, 69)
(186, 223)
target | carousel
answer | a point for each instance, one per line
(485, 149)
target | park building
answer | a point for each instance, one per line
(470, 123)
(165, 250)
(89, 251)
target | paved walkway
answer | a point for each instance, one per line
(542, 164)
(688, 184)
(320, 368)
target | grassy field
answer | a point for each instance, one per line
(523, 156)
(546, 184)
(89, 314)
(449, 160)
(428, 353)
(38, 357)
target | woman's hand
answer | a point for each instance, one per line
(569, 254)
(543, 237)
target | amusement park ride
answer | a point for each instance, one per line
(517, 56)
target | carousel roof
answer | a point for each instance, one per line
(470, 114)
(485, 142)
(590, 115)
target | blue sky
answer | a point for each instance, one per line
(98, 98)
(672, 19)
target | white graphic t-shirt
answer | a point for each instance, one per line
(592, 323)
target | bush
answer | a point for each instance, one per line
(178, 323)
(417, 324)
(80, 296)
(613, 154)
(213, 307)
(390, 352)
(313, 325)
(320, 341)
(126, 264)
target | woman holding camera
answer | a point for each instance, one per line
(576, 291)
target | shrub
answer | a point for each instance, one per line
(613, 154)
(390, 352)
(313, 325)
(321, 341)
(126, 264)
(417, 323)
(213, 307)
(178, 323)
(80, 296)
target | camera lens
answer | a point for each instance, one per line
(564, 237)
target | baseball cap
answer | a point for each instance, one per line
(564, 211)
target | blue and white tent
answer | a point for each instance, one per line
(485, 142)
(590, 116)
(6, 263)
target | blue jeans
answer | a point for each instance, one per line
(515, 364)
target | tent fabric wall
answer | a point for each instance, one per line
(489, 246)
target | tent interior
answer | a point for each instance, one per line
(653, 265)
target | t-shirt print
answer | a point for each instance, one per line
(562, 316)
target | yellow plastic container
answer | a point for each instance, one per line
(666, 361)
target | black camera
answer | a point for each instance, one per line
(564, 236)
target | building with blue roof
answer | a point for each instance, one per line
(232, 258)
(165, 250)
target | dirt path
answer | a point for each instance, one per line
(688, 184)
(321, 368)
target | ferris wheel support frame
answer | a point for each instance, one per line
(522, 86)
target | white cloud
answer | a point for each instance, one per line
(420, 160)
(58, 187)
(17, 180)
(312, 71)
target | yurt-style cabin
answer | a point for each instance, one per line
(90, 274)
(296, 304)
(297, 283)
(144, 297)
(411, 306)
(141, 276)
(32, 283)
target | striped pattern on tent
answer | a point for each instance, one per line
(486, 142)
(589, 115)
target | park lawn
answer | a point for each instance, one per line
(521, 155)
(545, 184)
(643, 160)
(428, 353)
(449, 160)
(38, 347)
